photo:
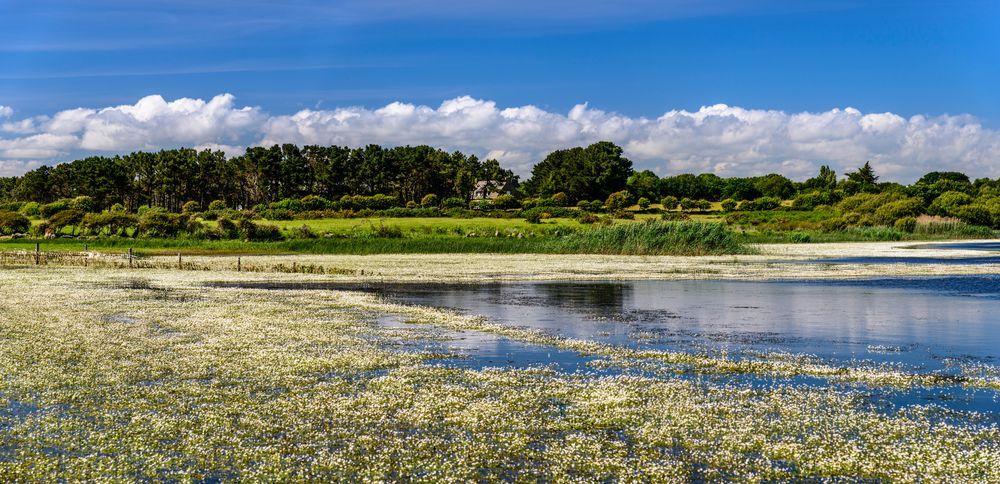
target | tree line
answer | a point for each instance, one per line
(263, 175)
(414, 175)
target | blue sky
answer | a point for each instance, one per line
(638, 59)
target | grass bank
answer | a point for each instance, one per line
(651, 237)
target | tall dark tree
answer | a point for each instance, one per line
(862, 180)
(864, 175)
(775, 185)
(826, 180)
(590, 173)
(741, 189)
(935, 176)
(7, 185)
(35, 186)
(645, 184)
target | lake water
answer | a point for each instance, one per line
(923, 324)
(988, 246)
(920, 325)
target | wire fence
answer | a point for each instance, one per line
(131, 260)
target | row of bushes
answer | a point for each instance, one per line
(151, 224)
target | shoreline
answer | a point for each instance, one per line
(770, 262)
(774, 262)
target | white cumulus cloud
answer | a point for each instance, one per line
(722, 139)
(151, 123)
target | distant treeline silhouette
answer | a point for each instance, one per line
(265, 175)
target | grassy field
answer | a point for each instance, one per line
(124, 376)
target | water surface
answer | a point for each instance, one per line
(923, 325)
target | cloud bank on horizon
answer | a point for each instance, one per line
(721, 139)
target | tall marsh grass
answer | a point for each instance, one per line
(652, 237)
(655, 237)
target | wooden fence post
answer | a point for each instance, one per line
(130, 257)
(239, 264)
(38, 253)
(179, 264)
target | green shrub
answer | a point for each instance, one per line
(542, 213)
(313, 202)
(144, 209)
(194, 227)
(505, 202)
(13, 223)
(50, 209)
(669, 202)
(411, 204)
(643, 203)
(191, 207)
(253, 232)
(979, 214)
(834, 224)
(407, 212)
(560, 199)
(481, 205)
(378, 202)
(83, 203)
(759, 204)
(624, 215)
(889, 213)
(728, 205)
(40, 230)
(31, 209)
(618, 200)
(117, 208)
(867, 202)
(109, 223)
(686, 203)
(157, 224)
(66, 218)
(288, 204)
(906, 224)
(429, 200)
(227, 229)
(814, 199)
(948, 204)
(453, 202)
(217, 205)
(11, 206)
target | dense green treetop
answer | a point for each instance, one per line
(590, 173)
